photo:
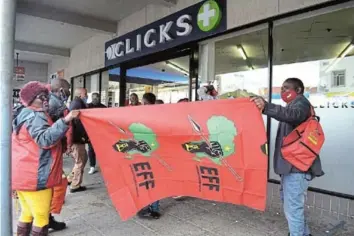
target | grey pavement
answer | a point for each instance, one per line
(91, 213)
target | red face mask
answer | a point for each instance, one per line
(288, 96)
(214, 93)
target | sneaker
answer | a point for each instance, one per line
(178, 198)
(92, 170)
(55, 225)
(155, 214)
(79, 189)
(147, 213)
(144, 212)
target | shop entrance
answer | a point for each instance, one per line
(171, 76)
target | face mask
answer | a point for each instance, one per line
(84, 100)
(63, 97)
(288, 96)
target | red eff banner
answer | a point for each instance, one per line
(213, 150)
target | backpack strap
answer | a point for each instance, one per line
(313, 114)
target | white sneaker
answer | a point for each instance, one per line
(92, 170)
(178, 198)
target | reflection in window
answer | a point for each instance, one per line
(92, 85)
(241, 65)
(319, 51)
(338, 78)
(168, 80)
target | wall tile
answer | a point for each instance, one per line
(344, 206)
(310, 198)
(318, 200)
(326, 202)
(334, 204)
(351, 208)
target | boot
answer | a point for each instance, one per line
(24, 229)
(55, 225)
(37, 231)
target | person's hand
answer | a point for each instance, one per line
(72, 115)
(259, 101)
(68, 150)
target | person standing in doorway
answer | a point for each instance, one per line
(294, 183)
(159, 101)
(134, 100)
(80, 139)
(153, 210)
(96, 103)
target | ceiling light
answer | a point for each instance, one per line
(345, 52)
(242, 52)
(170, 64)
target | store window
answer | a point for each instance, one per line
(111, 93)
(319, 51)
(239, 64)
(168, 80)
(92, 85)
(78, 83)
(105, 87)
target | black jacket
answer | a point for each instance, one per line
(79, 133)
(100, 105)
(289, 118)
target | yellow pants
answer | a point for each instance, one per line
(35, 206)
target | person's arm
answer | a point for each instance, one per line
(69, 133)
(43, 134)
(295, 114)
(75, 105)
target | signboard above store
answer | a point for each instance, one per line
(190, 24)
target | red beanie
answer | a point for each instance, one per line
(30, 91)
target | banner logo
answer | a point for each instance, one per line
(140, 139)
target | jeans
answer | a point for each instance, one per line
(155, 206)
(293, 192)
(91, 155)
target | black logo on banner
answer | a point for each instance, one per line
(143, 176)
(190, 24)
(208, 178)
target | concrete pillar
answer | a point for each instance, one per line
(7, 37)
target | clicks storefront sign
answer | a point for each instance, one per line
(193, 23)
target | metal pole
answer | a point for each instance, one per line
(270, 77)
(7, 38)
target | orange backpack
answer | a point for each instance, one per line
(303, 145)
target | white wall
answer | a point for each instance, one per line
(57, 64)
(89, 55)
(239, 12)
(34, 71)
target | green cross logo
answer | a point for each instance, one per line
(209, 16)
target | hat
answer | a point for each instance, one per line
(30, 91)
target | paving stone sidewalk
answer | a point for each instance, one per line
(91, 213)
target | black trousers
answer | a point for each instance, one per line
(91, 155)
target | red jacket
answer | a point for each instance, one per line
(37, 161)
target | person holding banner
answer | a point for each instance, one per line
(153, 210)
(294, 182)
(36, 158)
(59, 92)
